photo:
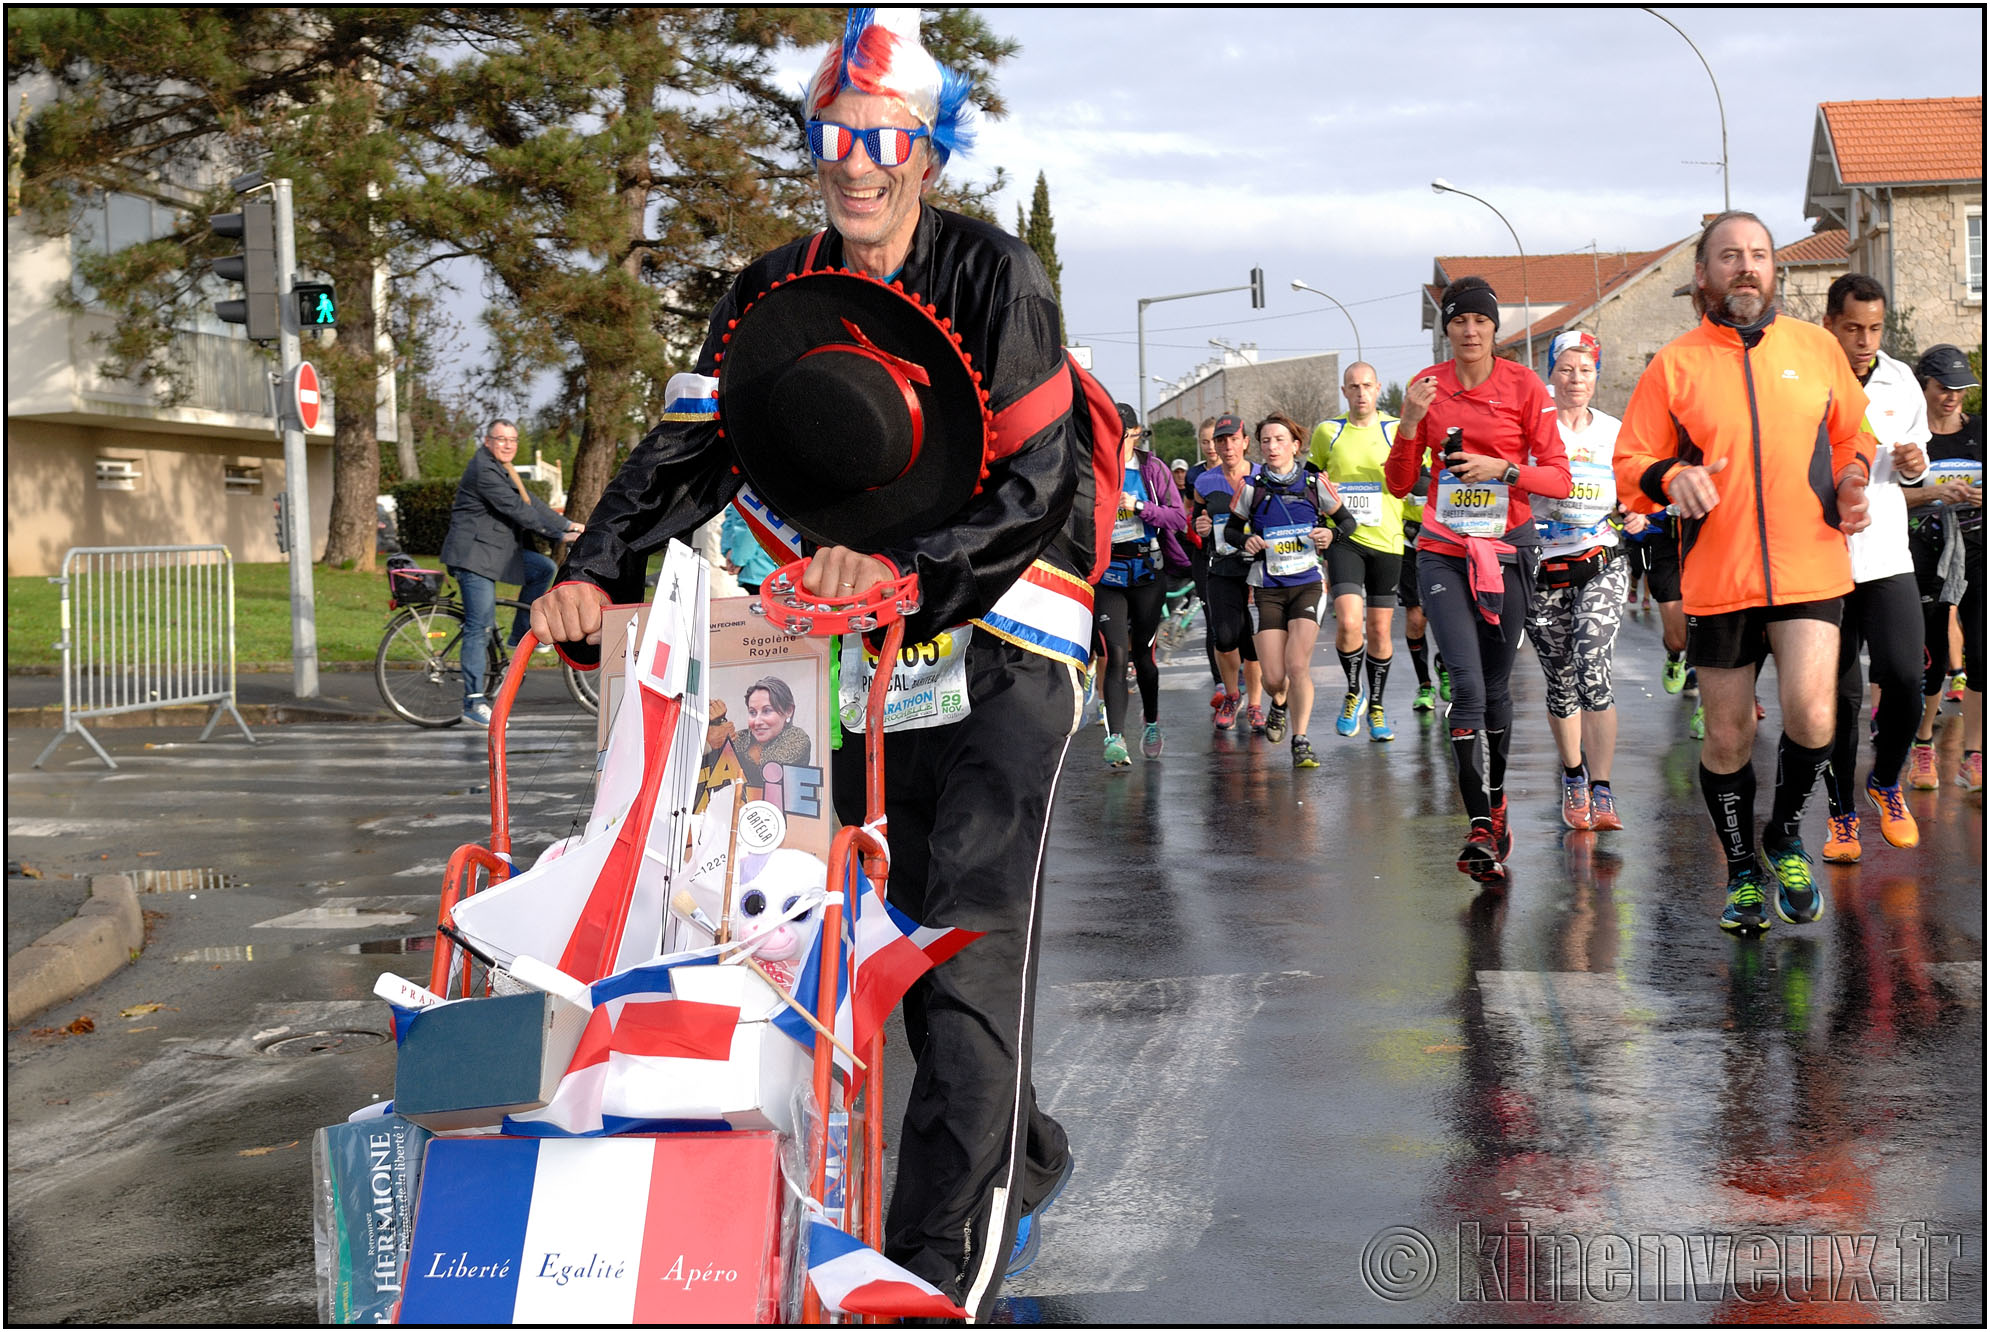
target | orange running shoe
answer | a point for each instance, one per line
(1842, 846)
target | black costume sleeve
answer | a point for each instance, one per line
(1024, 503)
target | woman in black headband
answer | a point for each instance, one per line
(1477, 552)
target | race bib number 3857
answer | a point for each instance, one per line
(1472, 508)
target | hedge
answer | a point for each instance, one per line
(422, 511)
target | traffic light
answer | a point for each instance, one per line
(317, 305)
(1257, 289)
(255, 268)
(283, 524)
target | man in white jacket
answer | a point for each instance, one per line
(1883, 610)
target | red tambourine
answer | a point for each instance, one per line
(799, 614)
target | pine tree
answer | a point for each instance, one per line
(1041, 233)
(158, 103)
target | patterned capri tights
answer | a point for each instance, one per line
(1573, 630)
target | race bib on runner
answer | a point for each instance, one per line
(1363, 499)
(1288, 551)
(1592, 494)
(1955, 472)
(928, 682)
(1475, 508)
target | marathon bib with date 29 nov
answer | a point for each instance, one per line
(1471, 508)
(1288, 551)
(928, 682)
(1363, 499)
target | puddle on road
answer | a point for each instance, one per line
(184, 881)
(414, 943)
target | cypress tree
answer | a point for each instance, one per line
(1041, 233)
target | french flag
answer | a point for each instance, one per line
(890, 952)
(850, 1277)
(639, 1041)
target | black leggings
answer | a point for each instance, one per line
(1935, 617)
(1885, 616)
(1478, 655)
(1229, 611)
(1127, 619)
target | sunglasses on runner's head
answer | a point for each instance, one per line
(887, 145)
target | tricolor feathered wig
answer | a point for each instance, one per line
(881, 54)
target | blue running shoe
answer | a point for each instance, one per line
(1747, 905)
(1029, 1231)
(1378, 724)
(1797, 898)
(1349, 720)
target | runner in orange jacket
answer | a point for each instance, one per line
(1753, 427)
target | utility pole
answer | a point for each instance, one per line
(1255, 286)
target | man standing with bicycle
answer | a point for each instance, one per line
(861, 420)
(486, 546)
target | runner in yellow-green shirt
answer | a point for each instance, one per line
(1351, 450)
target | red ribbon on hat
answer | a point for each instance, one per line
(903, 373)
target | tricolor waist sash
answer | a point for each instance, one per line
(1046, 611)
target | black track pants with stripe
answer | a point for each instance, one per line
(968, 806)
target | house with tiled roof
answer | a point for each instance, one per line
(1902, 178)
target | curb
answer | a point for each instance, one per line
(256, 714)
(79, 953)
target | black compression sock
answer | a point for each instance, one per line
(1797, 770)
(1467, 750)
(1378, 679)
(1351, 663)
(1420, 658)
(1730, 801)
(1496, 742)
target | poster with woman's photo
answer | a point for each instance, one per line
(769, 720)
(768, 717)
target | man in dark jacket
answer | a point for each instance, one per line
(968, 796)
(486, 546)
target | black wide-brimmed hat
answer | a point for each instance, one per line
(853, 410)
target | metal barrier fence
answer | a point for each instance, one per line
(144, 627)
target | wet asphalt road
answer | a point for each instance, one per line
(1308, 1073)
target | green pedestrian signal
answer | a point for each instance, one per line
(317, 305)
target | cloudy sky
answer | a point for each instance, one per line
(1184, 146)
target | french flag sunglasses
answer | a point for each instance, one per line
(888, 146)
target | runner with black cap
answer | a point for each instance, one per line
(1946, 538)
(1228, 603)
(892, 398)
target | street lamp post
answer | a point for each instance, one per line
(1727, 202)
(1443, 186)
(1298, 285)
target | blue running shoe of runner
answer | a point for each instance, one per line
(1797, 898)
(1029, 1230)
(1747, 904)
(1349, 720)
(1378, 725)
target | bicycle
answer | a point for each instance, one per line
(1178, 608)
(419, 665)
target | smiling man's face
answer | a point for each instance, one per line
(873, 207)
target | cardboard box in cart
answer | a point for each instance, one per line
(675, 1228)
